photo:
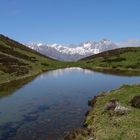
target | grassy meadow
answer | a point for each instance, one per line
(115, 127)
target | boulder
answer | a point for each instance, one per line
(135, 102)
(121, 110)
(111, 104)
(116, 107)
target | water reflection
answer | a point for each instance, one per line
(60, 72)
(9, 88)
(53, 103)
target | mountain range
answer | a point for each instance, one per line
(18, 61)
(73, 52)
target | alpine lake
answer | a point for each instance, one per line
(53, 103)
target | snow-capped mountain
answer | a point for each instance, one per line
(73, 52)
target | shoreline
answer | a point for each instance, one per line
(102, 70)
(29, 75)
(102, 126)
(120, 72)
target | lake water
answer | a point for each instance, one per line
(53, 103)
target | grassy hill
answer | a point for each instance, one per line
(17, 61)
(122, 60)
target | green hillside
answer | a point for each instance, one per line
(122, 60)
(17, 61)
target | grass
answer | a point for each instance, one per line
(18, 61)
(106, 127)
(118, 61)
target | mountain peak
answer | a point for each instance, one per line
(73, 52)
(104, 40)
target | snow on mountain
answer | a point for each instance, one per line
(73, 52)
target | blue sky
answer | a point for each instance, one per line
(70, 21)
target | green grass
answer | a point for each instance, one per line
(17, 61)
(125, 127)
(118, 61)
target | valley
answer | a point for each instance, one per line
(17, 61)
(28, 78)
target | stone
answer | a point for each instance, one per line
(121, 110)
(135, 102)
(90, 138)
(111, 105)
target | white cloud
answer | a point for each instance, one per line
(130, 43)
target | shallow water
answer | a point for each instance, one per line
(53, 103)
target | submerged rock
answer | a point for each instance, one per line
(92, 101)
(80, 133)
(135, 102)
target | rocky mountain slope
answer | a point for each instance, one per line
(73, 52)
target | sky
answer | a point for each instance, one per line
(70, 21)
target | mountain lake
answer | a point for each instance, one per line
(53, 103)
